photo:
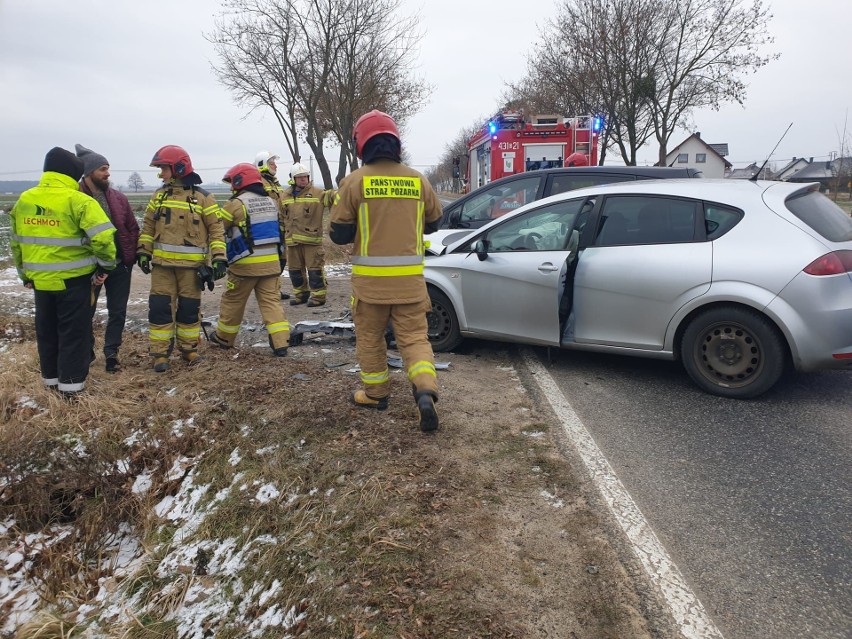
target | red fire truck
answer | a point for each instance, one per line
(510, 143)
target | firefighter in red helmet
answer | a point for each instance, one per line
(181, 233)
(253, 236)
(577, 159)
(385, 207)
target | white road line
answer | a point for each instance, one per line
(685, 607)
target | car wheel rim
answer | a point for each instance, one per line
(439, 322)
(728, 354)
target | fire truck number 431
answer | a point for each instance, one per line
(509, 146)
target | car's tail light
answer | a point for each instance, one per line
(833, 263)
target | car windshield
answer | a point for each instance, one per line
(496, 201)
(822, 215)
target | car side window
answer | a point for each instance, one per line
(718, 219)
(632, 219)
(571, 182)
(493, 202)
(548, 228)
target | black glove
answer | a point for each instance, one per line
(220, 269)
(205, 277)
(144, 262)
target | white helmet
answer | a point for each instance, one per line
(261, 160)
(298, 170)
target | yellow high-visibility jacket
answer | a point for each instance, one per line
(59, 233)
(182, 228)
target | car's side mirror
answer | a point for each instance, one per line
(481, 249)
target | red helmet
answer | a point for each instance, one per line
(577, 159)
(174, 157)
(372, 124)
(242, 175)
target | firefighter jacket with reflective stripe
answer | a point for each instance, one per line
(273, 187)
(390, 204)
(182, 228)
(59, 233)
(251, 220)
(303, 214)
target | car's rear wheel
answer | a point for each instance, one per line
(444, 333)
(733, 352)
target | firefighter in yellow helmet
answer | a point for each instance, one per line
(62, 244)
(303, 208)
(181, 233)
(385, 207)
(267, 164)
(254, 243)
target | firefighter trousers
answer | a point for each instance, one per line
(63, 322)
(305, 264)
(410, 329)
(174, 310)
(233, 306)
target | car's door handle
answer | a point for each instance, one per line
(547, 267)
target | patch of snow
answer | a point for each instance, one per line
(267, 493)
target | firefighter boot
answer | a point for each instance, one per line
(161, 364)
(362, 400)
(215, 339)
(428, 414)
(285, 296)
(316, 301)
(191, 357)
(300, 298)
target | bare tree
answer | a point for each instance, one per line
(318, 65)
(705, 49)
(644, 65)
(442, 175)
(135, 182)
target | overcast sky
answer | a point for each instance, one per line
(125, 78)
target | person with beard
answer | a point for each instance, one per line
(95, 183)
(254, 242)
(62, 244)
(181, 234)
(385, 207)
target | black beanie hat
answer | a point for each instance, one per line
(59, 160)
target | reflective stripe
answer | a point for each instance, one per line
(226, 215)
(217, 244)
(364, 228)
(60, 266)
(146, 238)
(189, 333)
(375, 378)
(305, 239)
(387, 271)
(107, 265)
(198, 257)
(99, 228)
(421, 207)
(230, 329)
(174, 248)
(72, 388)
(160, 335)
(258, 259)
(390, 260)
(421, 368)
(51, 241)
(298, 200)
(277, 327)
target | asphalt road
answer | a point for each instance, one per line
(750, 498)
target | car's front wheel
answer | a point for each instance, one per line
(733, 352)
(443, 324)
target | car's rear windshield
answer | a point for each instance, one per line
(822, 215)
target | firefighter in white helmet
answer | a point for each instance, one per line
(267, 164)
(384, 208)
(303, 208)
(253, 235)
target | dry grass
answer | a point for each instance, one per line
(354, 524)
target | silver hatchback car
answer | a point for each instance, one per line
(737, 279)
